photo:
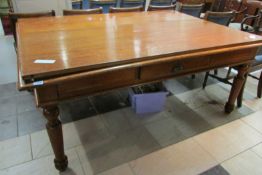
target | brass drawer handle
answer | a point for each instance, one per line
(177, 67)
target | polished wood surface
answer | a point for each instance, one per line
(115, 39)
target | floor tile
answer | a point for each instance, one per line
(15, 151)
(255, 103)
(25, 103)
(217, 170)
(186, 157)
(176, 106)
(120, 170)
(190, 123)
(228, 140)
(258, 149)
(245, 163)
(254, 120)
(107, 102)
(45, 166)
(136, 120)
(90, 131)
(8, 66)
(8, 127)
(118, 150)
(8, 90)
(165, 131)
(116, 121)
(74, 110)
(30, 121)
(214, 114)
(7, 106)
(199, 97)
(174, 86)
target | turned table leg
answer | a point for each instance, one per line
(238, 83)
(54, 130)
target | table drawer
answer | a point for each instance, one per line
(173, 68)
(97, 83)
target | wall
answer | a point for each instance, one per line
(27, 6)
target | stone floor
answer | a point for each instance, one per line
(104, 136)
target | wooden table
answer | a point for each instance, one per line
(97, 53)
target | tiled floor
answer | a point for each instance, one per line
(104, 136)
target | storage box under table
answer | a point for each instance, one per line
(148, 102)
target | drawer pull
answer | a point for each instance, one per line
(177, 67)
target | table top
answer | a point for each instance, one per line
(82, 43)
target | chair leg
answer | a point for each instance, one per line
(193, 76)
(228, 72)
(241, 93)
(259, 87)
(205, 80)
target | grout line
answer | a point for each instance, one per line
(81, 164)
(259, 132)
(132, 170)
(31, 147)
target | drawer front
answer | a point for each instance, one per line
(173, 68)
(195, 64)
(97, 83)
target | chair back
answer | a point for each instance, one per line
(105, 4)
(130, 9)
(77, 4)
(193, 10)
(83, 12)
(161, 2)
(132, 3)
(156, 8)
(222, 18)
(15, 16)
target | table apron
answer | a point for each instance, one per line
(52, 94)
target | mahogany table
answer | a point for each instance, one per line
(65, 57)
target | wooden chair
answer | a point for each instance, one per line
(251, 21)
(193, 10)
(255, 66)
(222, 18)
(105, 4)
(156, 8)
(131, 9)
(15, 16)
(83, 12)
(161, 2)
(132, 3)
(78, 3)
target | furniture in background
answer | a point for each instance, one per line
(105, 4)
(5, 7)
(161, 2)
(156, 8)
(132, 3)
(15, 16)
(222, 18)
(126, 9)
(77, 4)
(256, 64)
(191, 9)
(110, 58)
(83, 12)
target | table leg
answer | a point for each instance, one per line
(238, 83)
(54, 130)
